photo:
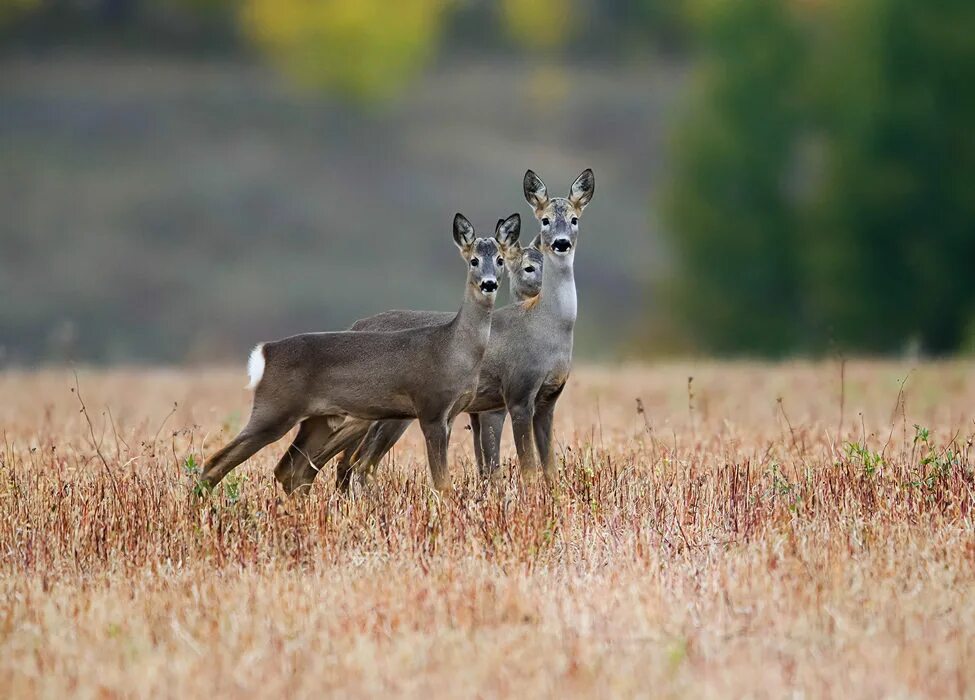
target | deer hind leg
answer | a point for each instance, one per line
(318, 441)
(297, 467)
(476, 435)
(492, 423)
(344, 436)
(258, 432)
(377, 443)
(344, 470)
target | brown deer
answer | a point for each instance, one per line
(427, 372)
(524, 369)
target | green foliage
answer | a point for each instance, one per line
(542, 24)
(231, 487)
(364, 49)
(193, 472)
(861, 456)
(13, 9)
(933, 465)
(824, 178)
(921, 435)
(780, 483)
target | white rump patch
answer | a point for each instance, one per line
(255, 366)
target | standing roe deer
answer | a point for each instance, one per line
(524, 268)
(427, 372)
(525, 366)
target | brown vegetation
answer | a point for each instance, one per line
(761, 529)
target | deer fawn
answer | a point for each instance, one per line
(428, 372)
(526, 365)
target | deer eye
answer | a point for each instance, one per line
(545, 221)
(500, 261)
(473, 262)
(529, 269)
(575, 220)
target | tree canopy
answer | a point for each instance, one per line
(823, 188)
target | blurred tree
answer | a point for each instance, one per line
(364, 49)
(824, 178)
(894, 240)
(663, 23)
(12, 9)
(538, 24)
(734, 229)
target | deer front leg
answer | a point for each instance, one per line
(544, 417)
(522, 417)
(492, 423)
(437, 435)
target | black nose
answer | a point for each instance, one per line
(561, 245)
(489, 286)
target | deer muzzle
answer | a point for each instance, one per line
(561, 245)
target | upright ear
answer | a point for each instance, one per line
(508, 231)
(463, 233)
(536, 243)
(580, 194)
(535, 191)
(512, 253)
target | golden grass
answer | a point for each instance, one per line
(722, 543)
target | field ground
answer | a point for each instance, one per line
(772, 531)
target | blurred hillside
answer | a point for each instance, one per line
(170, 195)
(162, 209)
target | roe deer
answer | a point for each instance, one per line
(526, 365)
(427, 372)
(524, 267)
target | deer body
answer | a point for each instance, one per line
(321, 374)
(428, 372)
(526, 365)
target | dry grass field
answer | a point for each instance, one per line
(766, 531)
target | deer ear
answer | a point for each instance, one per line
(463, 232)
(535, 191)
(580, 194)
(536, 243)
(508, 230)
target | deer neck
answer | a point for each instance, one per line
(558, 296)
(472, 324)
